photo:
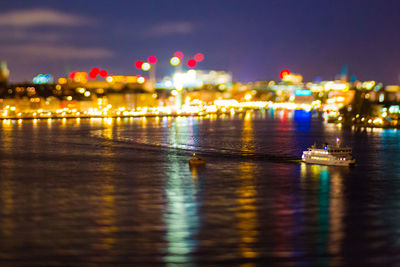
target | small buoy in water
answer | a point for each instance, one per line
(196, 161)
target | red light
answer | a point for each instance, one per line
(138, 64)
(152, 59)
(191, 63)
(178, 54)
(199, 57)
(95, 71)
(284, 73)
(103, 73)
(92, 75)
(72, 74)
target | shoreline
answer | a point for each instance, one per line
(27, 118)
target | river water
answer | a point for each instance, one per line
(92, 192)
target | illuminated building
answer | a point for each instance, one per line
(303, 97)
(42, 78)
(196, 79)
(392, 93)
(326, 86)
(290, 83)
(132, 100)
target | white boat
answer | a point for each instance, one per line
(329, 155)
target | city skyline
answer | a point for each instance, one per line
(254, 41)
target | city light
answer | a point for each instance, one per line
(62, 80)
(80, 77)
(178, 54)
(146, 66)
(95, 70)
(191, 63)
(103, 73)
(42, 78)
(152, 60)
(199, 57)
(302, 92)
(368, 85)
(284, 73)
(192, 91)
(330, 85)
(72, 74)
(92, 75)
(175, 61)
(138, 64)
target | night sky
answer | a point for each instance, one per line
(252, 39)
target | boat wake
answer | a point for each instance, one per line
(152, 144)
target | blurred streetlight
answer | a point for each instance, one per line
(152, 59)
(138, 64)
(191, 63)
(175, 61)
(146, 66)
(178, 54)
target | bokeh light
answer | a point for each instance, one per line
(103, 73)
(146, 66)
(284, 73)
(178, 54)
(92, 74)
(152, 59)
(199, 57)
(138, 64)
(191, 63)
(95, 71)
(72, 74)
(175, 61)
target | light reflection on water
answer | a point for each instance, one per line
(247, 196)
(181, 214)
(120, 191)
(327, 181)
(247, 211)
(6, 183)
